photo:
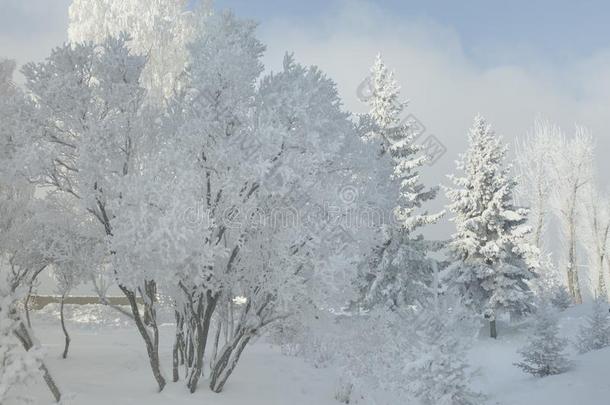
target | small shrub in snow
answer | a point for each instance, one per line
(439, 373)
(561, 298)
(17, 366)
(595, 334)
(543, 354)
(343, 391)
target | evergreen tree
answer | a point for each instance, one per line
(543, 354)
(595, 334)
(439, 372)
(493, 261)
(561, 298)
(397, 138)
(399, 267)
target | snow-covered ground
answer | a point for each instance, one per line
(108, 365)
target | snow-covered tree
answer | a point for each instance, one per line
(160, 30)
(398, 139)
(573, 163)
(543, 355)
(21, 360)
(409, 354)
(92, 132)
(596, 232)
(595, 334)
(550, 285)
(75, 251)
(536, 176)
(560, 297)
(439, 372)
(18, 367)
(231, 162)
(399, 266)
(493, 260)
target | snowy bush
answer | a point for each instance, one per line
(17, 366)
(595, 334)
(543, 354)
(561, 298)
(411, 353)
(343, 391)
(438, 373)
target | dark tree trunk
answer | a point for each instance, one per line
(493, 333)
(178, 349)
(151, 342)
(204, 317)
(151, 295)
(63, 327)
(216, 342)
(26, 307)
(227, 361)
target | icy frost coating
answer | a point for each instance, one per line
(160, 30)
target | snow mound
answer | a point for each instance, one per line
(88, 315)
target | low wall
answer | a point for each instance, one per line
(40, 301)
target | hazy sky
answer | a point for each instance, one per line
(511, 61)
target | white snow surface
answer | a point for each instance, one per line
(108, 365)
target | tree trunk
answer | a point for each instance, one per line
(539, 228)
(63, 327)
(227, 361)
(573, 282)
(216, 342)
(22, 333)
(203, 321)
(607, 260)
(601, 282)
(26, 307)
(230, 319)
(151, 293)
(493, 333)
(178, 349)
(151, 342)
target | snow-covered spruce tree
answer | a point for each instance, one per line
(409, 354)
(595, 334)
(438, 373)
(543, 355)
(492, 259)
(398, 269)
(560, 297)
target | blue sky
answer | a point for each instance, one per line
(551, 30)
